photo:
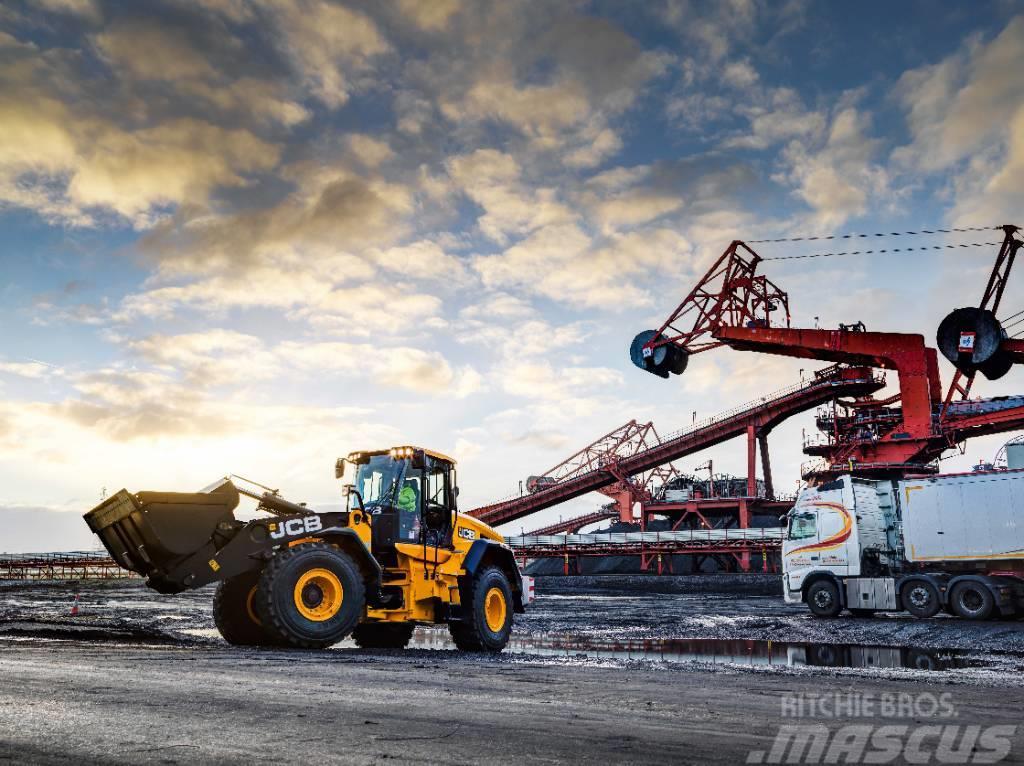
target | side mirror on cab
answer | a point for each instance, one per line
(339, 468)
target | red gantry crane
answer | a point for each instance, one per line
(733, 306)
(606, 454)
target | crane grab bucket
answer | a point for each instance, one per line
(659, 360)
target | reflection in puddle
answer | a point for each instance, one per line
(721, 651)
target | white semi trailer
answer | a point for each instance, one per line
(953, 542)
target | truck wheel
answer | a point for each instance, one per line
(234, 611)
(972, 601)
(920, 598)
(488, 624)
(823, 599)
(310, 595)
(383, 635)
(921, 660)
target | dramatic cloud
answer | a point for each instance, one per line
(257, 233)
(564, 264)
(961, 103)
(328, 44)
(32, 370)
(840, 178)
(967, 112)
(493, 181)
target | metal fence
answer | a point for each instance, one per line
(75, 565)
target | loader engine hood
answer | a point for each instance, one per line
(480, 530)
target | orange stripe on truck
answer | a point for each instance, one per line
(835, 540)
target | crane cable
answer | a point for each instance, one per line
(877, 234)
(1014, 316)
(883, 250)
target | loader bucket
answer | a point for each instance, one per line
(151, 532)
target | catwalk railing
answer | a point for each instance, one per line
(635, 543)
(76, 565)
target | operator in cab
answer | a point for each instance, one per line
(409, 511)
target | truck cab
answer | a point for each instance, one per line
(842, 529)
(946, 542)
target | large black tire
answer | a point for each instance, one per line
(972, 601)
(823, 599)
(920, 598)
(234, 611)
(310, 596)
(383, 635)
(487, 622)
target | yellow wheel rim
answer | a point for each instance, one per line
(318, 594)
(250, 608)
(495, 610)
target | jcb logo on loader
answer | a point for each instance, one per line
(467, 534)
(294, 527)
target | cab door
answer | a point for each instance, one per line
(440, 506)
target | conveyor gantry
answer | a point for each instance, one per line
(760, 416)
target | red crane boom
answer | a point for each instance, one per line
(732, 306)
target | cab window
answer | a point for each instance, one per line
(803, 526)
(436, 489)
(830, 523)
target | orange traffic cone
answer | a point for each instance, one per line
(74, 607)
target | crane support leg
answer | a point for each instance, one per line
(751, 461)
(766, 465)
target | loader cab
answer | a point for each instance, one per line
(410, 496)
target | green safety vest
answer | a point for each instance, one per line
(407, 499)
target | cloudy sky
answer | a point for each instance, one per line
(252, 235)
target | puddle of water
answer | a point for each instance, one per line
(703, 650)
(720, 651)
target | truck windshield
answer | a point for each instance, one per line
(378, 480)
(802, 526)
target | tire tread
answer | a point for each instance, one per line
(231, 616)
(467, 634)
(267, 610)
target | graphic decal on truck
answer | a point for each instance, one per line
(835, 540)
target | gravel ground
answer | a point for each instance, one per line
(137, 677)
(604, 609)
(740, 607)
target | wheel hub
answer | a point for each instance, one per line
(318, 594)
(495, 610)
(312, 596)
(971, 600)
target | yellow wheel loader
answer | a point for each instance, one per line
(401, 555)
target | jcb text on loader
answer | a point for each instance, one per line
(401, 555)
